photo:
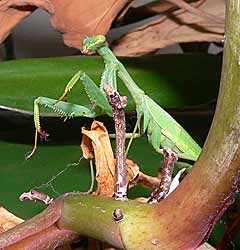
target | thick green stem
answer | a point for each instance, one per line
(94, 217)
(38, 233)
(207, 191)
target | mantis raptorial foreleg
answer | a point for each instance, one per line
(64, 109)
(110, 76)
(70, 110)
(69, 86)
(96, 95)
(161, 128)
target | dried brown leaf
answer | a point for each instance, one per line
(125, 10)
(135, 176)
(132, 172)
(159, 7)
(8, 220)
(14, 11)
(204, 14)
(137, 13)
(104, 158)
(76, 19)
(96, 144)
(148, 181)
(87, 147)
(178, 26)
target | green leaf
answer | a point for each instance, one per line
(54, 162)
(171, 80)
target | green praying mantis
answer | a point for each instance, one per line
(162, 130)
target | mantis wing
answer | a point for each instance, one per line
(159, 122)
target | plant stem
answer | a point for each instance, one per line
(210, 187)
(170, 158)
(34, 195)
(39, 232)
(118, 104)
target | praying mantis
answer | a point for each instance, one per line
(162, 130)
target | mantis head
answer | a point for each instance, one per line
(93, 43)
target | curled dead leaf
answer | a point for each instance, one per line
(8, 220)
(159, 7)
(98, 140)
(176, 27)
(132, 172)
(13, 12)
(148, 181)
(76, 19)
(136, 176)
(86, 146)
(96, 144)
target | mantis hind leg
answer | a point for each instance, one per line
(95, 95)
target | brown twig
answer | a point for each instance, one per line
(170, 158)
(34, 195)
(118, 104)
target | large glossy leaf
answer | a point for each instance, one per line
(19, 175)
(171, 80)
(174, 81)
